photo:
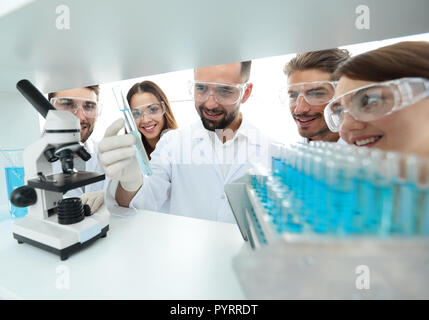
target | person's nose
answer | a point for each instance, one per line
(79, 113)
(301, 105)
(144, 118)
(211, 102)
(349, 124)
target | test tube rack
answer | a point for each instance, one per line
(313, 265)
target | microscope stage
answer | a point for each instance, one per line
(61, 182)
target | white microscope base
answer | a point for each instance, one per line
(61, 239)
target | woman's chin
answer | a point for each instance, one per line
(151, 135)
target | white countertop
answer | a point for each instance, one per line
(147, 256)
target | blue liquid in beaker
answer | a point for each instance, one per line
(15, 179)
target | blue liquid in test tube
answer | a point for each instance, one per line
(333, 196)
(349, 189)
(131, 128)
(423, 211)
(320, 209)
(390, 172)
(404, 221)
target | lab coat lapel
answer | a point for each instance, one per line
(250, 150)
(233, 170)
(246, 153)
(203, 145)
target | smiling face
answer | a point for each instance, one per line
(405, 130)
(86, 123)
(150, 127)
(214, 115)
(309, 118)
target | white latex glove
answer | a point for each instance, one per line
(118, 157)
(94, 199)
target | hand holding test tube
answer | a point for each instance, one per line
(131, 128)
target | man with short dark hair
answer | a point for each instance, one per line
(310, 87)
(191, 165)
(83, 103)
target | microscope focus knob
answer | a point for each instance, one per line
(23, 197)
(87, 210)
(83, 154)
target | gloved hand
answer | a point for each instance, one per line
(94, 199)
(118, 157)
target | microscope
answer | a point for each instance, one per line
(61, 226)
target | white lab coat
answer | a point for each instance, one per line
(188, 177)
(92, 165)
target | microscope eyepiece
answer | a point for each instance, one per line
(35, 97)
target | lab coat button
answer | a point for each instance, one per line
(222, 196)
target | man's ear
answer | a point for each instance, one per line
(247, 92)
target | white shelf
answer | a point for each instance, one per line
(117, 40)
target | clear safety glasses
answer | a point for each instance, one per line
(315, 93)
(151, 110)
(376, 100)
(90, 108)
(223, 93)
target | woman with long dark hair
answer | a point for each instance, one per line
(151, 111)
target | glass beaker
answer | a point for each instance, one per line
(12, 164)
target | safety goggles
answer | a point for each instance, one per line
(223, 93)
(315, 93)
(151, 110)
(90, 108)
(375, 101)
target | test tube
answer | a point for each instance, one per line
(276, 161)
(320, 221)
(405, 212)
(376, 182)
(389, 175)
(131, 128)
(423, 203)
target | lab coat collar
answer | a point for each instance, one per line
(251, 133)
(247, 130)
